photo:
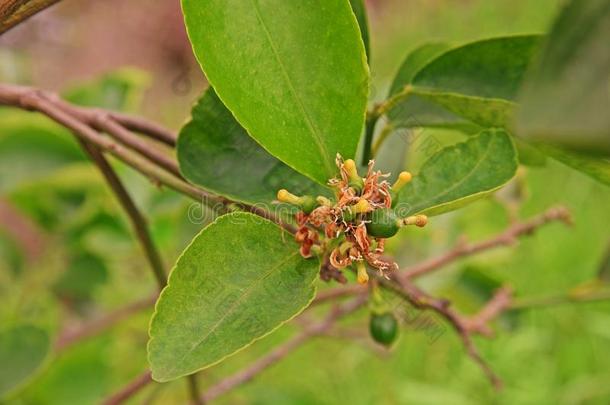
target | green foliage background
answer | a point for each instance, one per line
(545, 356)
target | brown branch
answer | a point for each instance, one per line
(51, 106)
(419, 299)
(104, 122)
(70, 336)
(130, 389)
(499, 303)
(506, 238)
(13, 12)
(138, 221)
(283, 350)
(28, 235)
(144, 127)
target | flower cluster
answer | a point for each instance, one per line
(353, 228)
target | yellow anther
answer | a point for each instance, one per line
(285, 196)
(417, 220)
(361, 207)
(350, 168)
(403, 179)
(363, 276)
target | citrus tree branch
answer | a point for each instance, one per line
(138, 221)
(130, 389)
(506, 238)
(72, 117)
(95, 326)
(421, 300)
(13, 12)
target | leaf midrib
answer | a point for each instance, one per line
(312, 128)
(232, 309)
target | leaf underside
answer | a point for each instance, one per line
(216, 153)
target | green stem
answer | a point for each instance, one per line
(391, 102)
(373, 116)
(383, 135)
(196, 398)
(371, 121)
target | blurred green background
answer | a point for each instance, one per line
(66, 252)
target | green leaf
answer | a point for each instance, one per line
(239, 279)
(216, 153)
(23, 350)
(478, 81)
(414, 62)
(86, 272)
(414, 110)
(460, 174)
(566, 98)
(294, 74)
(597, 168)
(359, 9)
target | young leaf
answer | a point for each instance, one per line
(359, 9)
(238, 280)
(461, 173)
(23, 349)
(294, 74)
(478, 81)
(216, 153)
(566, 99)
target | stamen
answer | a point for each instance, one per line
(363, 276)
(417, 220)
(403, 179)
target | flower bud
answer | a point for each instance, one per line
(403, 179)
(306, 203)
(355, 181)
(417, 220)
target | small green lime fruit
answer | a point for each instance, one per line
(383, 328)
(383, 223)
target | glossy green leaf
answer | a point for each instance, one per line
(359, 9)
(239, 279)
(414, 110)
(566, 98)
(478, 81)
(294, 74)
(414, 62)
(460, 174)
(23, 350)
(216, 153)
